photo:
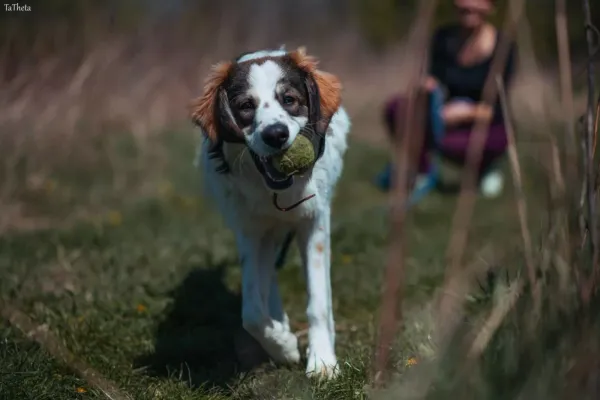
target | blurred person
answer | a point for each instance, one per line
(460, 57)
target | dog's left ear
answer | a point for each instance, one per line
(204, 109)
(324, 89)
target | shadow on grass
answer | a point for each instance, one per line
(201, 337)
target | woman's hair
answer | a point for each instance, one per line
(493, 2)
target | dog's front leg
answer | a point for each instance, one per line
(258, 253)
(314, 242)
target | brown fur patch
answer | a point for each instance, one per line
(319, 247)
(330, 87)
(203, 108)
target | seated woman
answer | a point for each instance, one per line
(459, 63)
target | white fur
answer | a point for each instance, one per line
(263, 80)
(246, 204)
(262, 54)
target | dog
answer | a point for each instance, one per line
(252, 109)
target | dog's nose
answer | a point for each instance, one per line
(276, 135)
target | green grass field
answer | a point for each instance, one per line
(146, 291)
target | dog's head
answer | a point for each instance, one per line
(265, 100)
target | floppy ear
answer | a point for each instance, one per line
(211, 111)
(324, 89)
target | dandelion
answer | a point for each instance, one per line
(115, 218)
(80, 390)
(411, 361)
(346, 259)
(141, 308)
(50, 186)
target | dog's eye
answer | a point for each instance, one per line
(288, 100)
(247, 105)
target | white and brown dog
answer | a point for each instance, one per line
(253, 108)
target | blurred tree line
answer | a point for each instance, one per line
(74, 25)
(385, 21)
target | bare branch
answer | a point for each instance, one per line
(520, 196)
(466, 201)
(49, 342)
(391, 305)
(590, 170)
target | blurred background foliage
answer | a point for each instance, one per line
(93, 69)
(73, 26)
(386, 21)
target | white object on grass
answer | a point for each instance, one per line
(492, 184)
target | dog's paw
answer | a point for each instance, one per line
(322, 365)
(286, 350)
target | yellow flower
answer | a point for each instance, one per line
(80, 390)
(50, 185)
(346, 259)
(141, 308)
(165, 188)
(115, 218)
(411, 361)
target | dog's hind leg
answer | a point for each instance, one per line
(260, 297)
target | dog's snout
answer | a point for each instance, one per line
(276, 135)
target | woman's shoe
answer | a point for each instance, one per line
(492, 184)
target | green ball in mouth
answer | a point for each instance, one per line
(298, 157)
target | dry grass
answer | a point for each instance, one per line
(67, 113)
(63, 114)
(90, 130)
(512, 345)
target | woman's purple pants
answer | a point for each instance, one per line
(454, 143)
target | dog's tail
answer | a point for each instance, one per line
(285, 247)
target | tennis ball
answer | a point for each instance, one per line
(299, 156)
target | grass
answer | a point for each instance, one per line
(148, 293)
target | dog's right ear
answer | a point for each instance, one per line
(324, 89)
(211, 111)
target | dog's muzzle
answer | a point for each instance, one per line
(275, 179)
